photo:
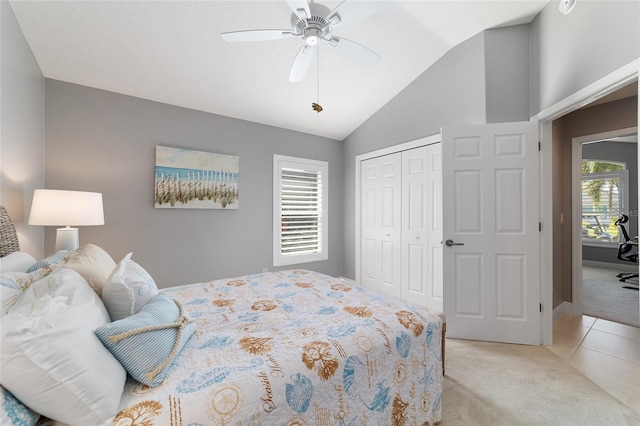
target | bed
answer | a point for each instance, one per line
(293, 347)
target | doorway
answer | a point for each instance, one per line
(604, 187)
(557, 267)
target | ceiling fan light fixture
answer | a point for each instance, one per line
(312, 36)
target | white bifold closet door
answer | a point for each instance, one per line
(401, 207)
(422, 226)
(381, 182)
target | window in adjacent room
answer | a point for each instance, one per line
(604, 197)
(299, 210)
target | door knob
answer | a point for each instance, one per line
(450, 243)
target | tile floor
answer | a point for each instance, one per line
(606, 352)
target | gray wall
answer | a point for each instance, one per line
(453, 91)
(105, 142)
(573, 51)
(452, 87)
(21, 130)
(507, 74)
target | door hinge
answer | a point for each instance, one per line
(539, 146)
(541, 307)
(539, 226)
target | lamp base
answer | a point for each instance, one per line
(67, 239)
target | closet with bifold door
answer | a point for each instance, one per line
(401, 225)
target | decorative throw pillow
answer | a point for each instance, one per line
(128, 289)
(14, 284)
(18, 261)
(14, 412)
(54, 259)
(92, 262)
(51, 359)
(147, 343)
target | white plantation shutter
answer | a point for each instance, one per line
(301, 211)
(300, 206)
(597, 218)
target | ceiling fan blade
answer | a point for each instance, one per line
(300, 8)
(301, 63)
(352, 11)
(353, 50)
(256, 35)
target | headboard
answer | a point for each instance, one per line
(8, 237)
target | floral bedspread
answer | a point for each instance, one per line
(295, 348)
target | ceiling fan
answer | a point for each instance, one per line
(314, 23)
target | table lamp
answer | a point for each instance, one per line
(51, 207)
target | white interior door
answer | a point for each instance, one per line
(422, 226)
(491, 205)
(381, 224)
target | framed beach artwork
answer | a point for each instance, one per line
(190, 179)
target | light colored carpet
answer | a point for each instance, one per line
(502, 384)
(603, 296)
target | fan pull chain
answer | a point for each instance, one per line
(316, 105)
(318, 75)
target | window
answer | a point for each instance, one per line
(300, 216)
(604, 198)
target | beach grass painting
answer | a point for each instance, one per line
(195, 179)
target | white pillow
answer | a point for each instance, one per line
(14, 284)
(128, 289)
(18, 261)
(51, 359)
(54, 259)
(92, 262)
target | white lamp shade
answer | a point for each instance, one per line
(51, 207)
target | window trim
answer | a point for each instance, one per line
(280, 162)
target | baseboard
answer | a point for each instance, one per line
(614, 266)
(561, 309)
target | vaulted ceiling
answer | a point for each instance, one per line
(172, 52)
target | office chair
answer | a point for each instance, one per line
(626, 250)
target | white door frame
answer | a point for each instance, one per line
(606, 85)
(576, 209)
(428, 140)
